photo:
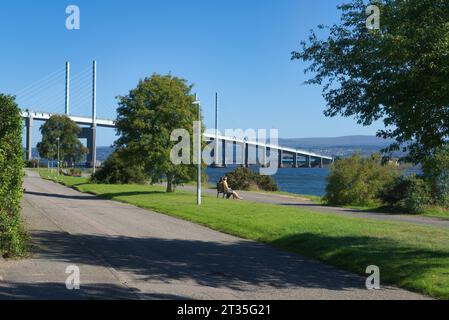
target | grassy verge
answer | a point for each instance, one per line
(314, 199)
(410, 256)
(430, 211)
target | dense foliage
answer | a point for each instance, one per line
(398, 74)
(74, 172)
(70, 147)
(147, 116)
(116, 170)
(409, 194)
(245, 179)
(358, 180)
(436, 172)
(12, 234)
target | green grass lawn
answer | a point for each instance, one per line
(410, 256)
(430, 211)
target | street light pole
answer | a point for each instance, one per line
(58, 139)
(199, 154)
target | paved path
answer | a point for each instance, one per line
(124, 252)
(293, 201)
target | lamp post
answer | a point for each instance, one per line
(59, 140)
(199, 154)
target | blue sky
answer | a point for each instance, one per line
(240, 48)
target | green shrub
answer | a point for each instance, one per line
(74, 172)
(436, 171)
(32, 163)
(410, 194)
(245, 179)
(418, 195)
(393, 194)
(12, 234)
(116, 170)
(266, 183)
(359, 181)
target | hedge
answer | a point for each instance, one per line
(12, 234)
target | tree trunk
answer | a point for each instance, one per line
(170, 184)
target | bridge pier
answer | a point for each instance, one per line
(243, 160)
(216, 152)
(264, 157)
(261, 156)
(295, 160)
(280, 159)
(29, 138)
(309, 162)
(223, 153)
(90, 134)
(246, 148)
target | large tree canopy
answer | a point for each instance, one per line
(70, 147)
(147, 116)
(398, 74)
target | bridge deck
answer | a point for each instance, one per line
(106, 123)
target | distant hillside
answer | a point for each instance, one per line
(340, 146)
(347, 141)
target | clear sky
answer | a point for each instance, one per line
(240, 48)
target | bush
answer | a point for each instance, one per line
(436, 171)
(116, 170)
(359, 181)
(245, 179)
(74, 172)
(410, 194)
(12, 234)
(32, 163)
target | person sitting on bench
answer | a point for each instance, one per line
(228, 191)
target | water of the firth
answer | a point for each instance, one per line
(300, 181)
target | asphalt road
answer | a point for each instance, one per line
(124, 252)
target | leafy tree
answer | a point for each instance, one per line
(12, 235)
(398, 74)
(70, 147)
(146, 119)
(359, 181)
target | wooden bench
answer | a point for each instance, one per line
(220, 190)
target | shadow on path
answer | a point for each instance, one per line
(209, 264)
(58, 291)
(62, 196)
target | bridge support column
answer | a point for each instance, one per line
(295, 160)
(93, 147)
(280, 159)
(29, 138)
(90, 134)
(264, 163)
(234, 159)
(246, 148)
(261, 156)
(309, 162)
(217, 163)
(223, 153)
(242, 155)
(321, 163)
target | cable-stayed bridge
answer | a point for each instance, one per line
(85, 85)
